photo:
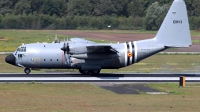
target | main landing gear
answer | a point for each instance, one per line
(27, 70)
(92, 72)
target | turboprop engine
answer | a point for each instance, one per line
(79, 50)
(75, 50)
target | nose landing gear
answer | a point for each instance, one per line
(27, 70)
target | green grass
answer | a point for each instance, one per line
(33, 97)
(196, 41)
(123, 31)
(195, 33)
(171, 88)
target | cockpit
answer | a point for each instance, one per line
(21, 49)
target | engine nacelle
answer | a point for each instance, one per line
(82, 49)
(78, 50)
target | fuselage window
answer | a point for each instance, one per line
(50, 59)
(44, 60)
(19, 56)
(57, 59)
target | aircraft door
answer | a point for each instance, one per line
(36, 62)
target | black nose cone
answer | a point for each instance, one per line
(10, 59)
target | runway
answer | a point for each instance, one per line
(104, 77)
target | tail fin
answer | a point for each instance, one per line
(174, 31)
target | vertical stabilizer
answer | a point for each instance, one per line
(174, 31)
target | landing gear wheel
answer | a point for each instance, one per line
(85, 72)
(27, 70)
(80, 71)
(95, 72)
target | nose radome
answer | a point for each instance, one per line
(10, 59)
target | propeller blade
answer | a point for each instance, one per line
(66, 47)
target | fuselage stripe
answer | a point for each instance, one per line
(136, 50)
(133, 52)
(128, 50)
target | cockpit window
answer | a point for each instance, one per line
(22, 49)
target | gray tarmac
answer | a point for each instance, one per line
(116, 82)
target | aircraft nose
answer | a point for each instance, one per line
(10, 59)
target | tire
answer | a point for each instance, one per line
(95, 72)
(80, 71)
(85, 72)
(27, 70)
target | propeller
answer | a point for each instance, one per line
(65, 47)
(66, 50)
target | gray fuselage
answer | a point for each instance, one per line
(50, 55)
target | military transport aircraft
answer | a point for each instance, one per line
(90, 57)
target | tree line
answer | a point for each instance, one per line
(90, 14)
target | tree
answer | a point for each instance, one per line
(23, 6)
(137, 8)
(54, 7)
(79, 7)
(103, 7)
(155, 15)
(120, 7)
(5, 6)
(36, 6)
(196, 7)
(193, 7)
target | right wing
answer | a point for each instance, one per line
(81, 40)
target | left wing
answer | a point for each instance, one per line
(100, 48)
(93, 48)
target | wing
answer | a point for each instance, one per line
(92, 48)
(81, 40)
(101, 48)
